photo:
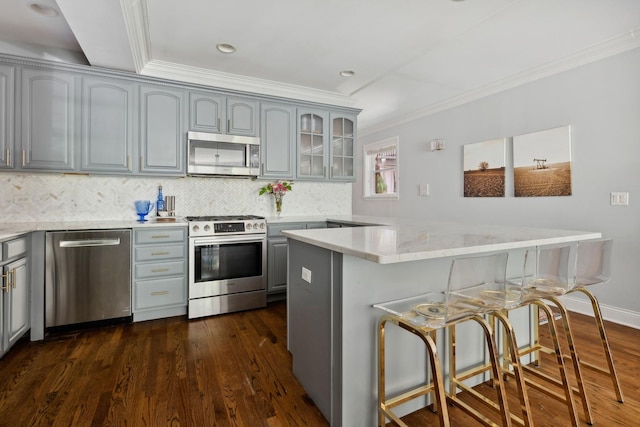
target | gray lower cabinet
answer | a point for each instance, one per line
(108, 119)
(276, 264)
(163, 138)
(16, 302)
(7, 89)
(159, 273)
(277, 140)
(277, 253)
(48, 120)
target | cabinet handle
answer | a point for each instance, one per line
(262, 169)
(5, 282)
(159, 253)
(160, 236)
(129, 163)
(12, 279)
(219, 123)
(8, 157)
(228, 125)
(159, 270)
(140, 165)
(24, 160)
(159, 293)
(324, 171)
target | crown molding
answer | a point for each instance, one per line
(136, 21)
(203, 76)
(602, 50)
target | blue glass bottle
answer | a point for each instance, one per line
(160, 202)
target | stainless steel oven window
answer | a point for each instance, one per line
(227, 261)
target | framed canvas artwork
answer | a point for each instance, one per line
(484, 168)
(542, 163)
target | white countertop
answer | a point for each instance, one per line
(13, 229)
(401, 240)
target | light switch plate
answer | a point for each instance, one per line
(619, 198)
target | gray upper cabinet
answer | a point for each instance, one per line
(277, 140)
(210, 112)
(107, 125)
(7, 87)
(67, 118)
(48, 120)
(313, 134)
(207, 112)
(242, 117)
(162, 130)
(342, 149)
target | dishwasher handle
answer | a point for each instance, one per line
(89, 243)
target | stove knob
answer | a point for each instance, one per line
(196, 228)
(207, 227)
(262, 226)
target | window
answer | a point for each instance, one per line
(381, 169)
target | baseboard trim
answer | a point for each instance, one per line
(612, 314)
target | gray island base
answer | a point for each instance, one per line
(336, 275)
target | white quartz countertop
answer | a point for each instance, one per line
(401, 240)
(12, 229)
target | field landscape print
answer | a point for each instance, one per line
(484, 169)
(542, 163)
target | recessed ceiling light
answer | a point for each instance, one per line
(226, 47)
(44, 10)
(347, 73)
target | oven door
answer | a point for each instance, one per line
(220, 265)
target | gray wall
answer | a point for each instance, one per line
(601, 102)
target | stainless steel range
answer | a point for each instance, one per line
(227, 264)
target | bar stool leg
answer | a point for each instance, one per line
(573, 413)
(574, 359)
(512, 347)
(436, 374)
(605, 345)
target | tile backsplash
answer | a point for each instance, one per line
(51, 197)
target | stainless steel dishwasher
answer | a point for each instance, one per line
(87, 276)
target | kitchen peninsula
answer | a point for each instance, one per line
(336, 275)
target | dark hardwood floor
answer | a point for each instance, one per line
(229, 370)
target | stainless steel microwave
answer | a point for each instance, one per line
(223, 155)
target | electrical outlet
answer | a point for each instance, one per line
(619, 198)
(306, 275)
(122, 199)
(22, 199)
(423, 189)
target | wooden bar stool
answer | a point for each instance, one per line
(476, 286)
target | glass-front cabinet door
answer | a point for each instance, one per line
(342, 147)
(312, 148)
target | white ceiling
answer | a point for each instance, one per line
(411, 57)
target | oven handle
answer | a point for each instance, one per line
(214, 240)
